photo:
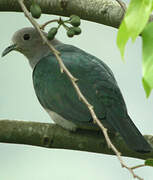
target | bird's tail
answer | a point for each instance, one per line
(126, 128)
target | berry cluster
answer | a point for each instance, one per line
(73, 20)
(75, 29)
(71, 31)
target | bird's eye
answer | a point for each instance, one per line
(26, 36)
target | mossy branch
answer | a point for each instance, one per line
(53, 136)
(107, 12)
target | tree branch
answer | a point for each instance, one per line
(107, 12)
(53, 136)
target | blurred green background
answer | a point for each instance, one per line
(18, 101)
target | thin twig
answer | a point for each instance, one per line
(48, 22)
(81, 96)
(138, 166)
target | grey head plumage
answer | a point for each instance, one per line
(29, 42)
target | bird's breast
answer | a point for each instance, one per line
(61, 121)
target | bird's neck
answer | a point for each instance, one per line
(38, 54)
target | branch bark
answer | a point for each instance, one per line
(52, 136)
(107, 12)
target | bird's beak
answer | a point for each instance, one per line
(9, 49)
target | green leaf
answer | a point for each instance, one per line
(147, 48)
(146, 87)
(149, 162)
(134, 21)
(137, 16)
(122, 38)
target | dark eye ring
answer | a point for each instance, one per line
(26, 36)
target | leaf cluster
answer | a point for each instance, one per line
(135, 23)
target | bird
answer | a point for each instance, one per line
(58, 97)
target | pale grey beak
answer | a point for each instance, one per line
(9, 49)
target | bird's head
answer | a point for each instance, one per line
(24, 40)
(29, 42)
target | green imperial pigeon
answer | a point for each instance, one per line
(95, 80)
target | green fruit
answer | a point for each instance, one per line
(77, 30)
(75, 20)
(72, 16)
(35, 10)
(53, 30)
(70, 32)
(50, 36)
(51, 33)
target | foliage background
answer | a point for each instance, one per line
(18, 101)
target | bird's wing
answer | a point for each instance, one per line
(95, 80)
(97, 83)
